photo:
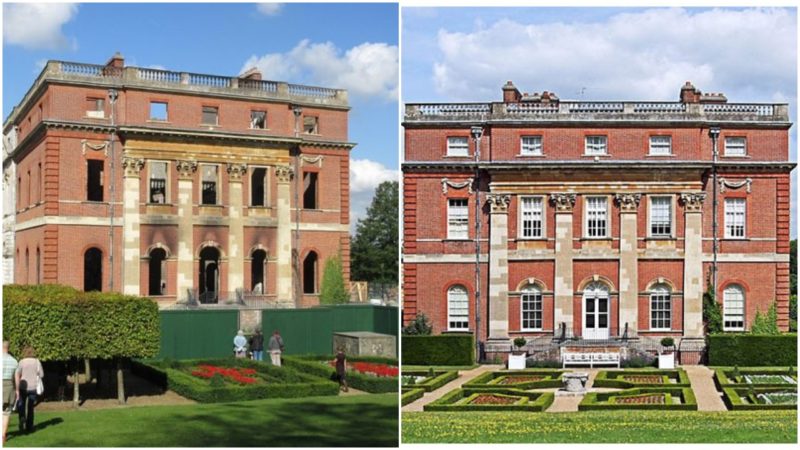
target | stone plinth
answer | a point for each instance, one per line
(365, 343)
(575, 381)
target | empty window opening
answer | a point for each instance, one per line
(158, 182)
(209, 275)
(310, 273)
(158, 111)
(258, 120)
(93, 270)
(209, 185)
(158, 270)
(258, 191)
(257, 272)
(94, 180)
(210, 115)
(310, 190)
(95, 107)
(310, 125)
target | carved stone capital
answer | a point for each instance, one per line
(284, 174)
(564, 202)
(693, 201)
(499, 203)
(236, 172)
(186, 169)
(628, 202)
(132, 167)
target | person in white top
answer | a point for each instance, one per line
(28, 377)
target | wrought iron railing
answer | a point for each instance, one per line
(566, 333)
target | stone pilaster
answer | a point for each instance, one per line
(693, 264)
(562, 290)
(131, 221)
(283, 175)
(235, 228)
(628, 261)
(498, 267)
(186, 170)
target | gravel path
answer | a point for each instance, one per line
(465, 376)
(702, 380)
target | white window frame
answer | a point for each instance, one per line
(533, 146)
(454, 143)
(587, 215)
(218, 185)
(542, 210)
(166, 184)
(461, 321)
(735, 218)
(594, 148)
(730, 148)
(733, 293)
(455, 221)
(650, 217)
(658, 150)
(659, 314)
(533, 296)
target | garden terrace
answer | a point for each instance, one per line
(229, 380)
(368, 374)
(664, 398)
(497, 399)
(411, 395)
(632, 378)
(770, 398)
(519, 379)
(785, 377)
(423, 380)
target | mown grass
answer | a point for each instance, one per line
(601, 427)
(347, 421)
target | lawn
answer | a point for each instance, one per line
(350, 421)
(601, 427)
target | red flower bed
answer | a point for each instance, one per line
(240, 375)
(513, 379)
(489, 399)
(649, 399)
(649, 379)
(378, 370)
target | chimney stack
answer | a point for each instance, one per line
(689, 93)
(511, 93)
(116, 61)
(251, 74)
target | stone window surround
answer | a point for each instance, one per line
(520, 236)
(673, 234)
(585, 218)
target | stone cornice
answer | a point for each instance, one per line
(509, 166)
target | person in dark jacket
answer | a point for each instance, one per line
(275, 347)
(257, 345)
(341, 369)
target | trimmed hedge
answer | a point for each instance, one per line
(613, 378)
(532, 401)
(489, 380)
(439, 379)
(594, 401)
(411, 395)
(752, 349)
(62, 323)
(439, 350)
(723, 376)
(281, 382)
(311, 364)
(733, 399)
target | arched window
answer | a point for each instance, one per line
(157, 283)
(209, 275)
(660, 308)
(457, 308)
(531, 308)
(733, 308)
(258, 272)
(93, 270)
(310, 273)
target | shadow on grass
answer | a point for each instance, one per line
(36, 427)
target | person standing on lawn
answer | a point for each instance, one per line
(257, 345)
(28, 376)
(341, 369)
(10, 365)
(240, 345)
(275, 347)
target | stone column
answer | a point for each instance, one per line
(235, 228)
(693, 264)
(562, 288)
(628, 262)
(131, 249)
(186, 170)
(284, 174)
(498, 267)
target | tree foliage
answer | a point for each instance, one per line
(419, 326)
(374, 249)
(712, 313)
(766, 323)
(333, 291)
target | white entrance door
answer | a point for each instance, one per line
(595, 311)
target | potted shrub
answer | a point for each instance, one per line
(666, 357)
(516, 360)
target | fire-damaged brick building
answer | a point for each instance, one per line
(595, 221)
(180, 186)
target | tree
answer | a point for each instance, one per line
(374, 250)
(419, 326)
(766, 323)
(333, 291)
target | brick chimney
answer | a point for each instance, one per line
(251, 74)
(511, 93)
(689, 93)
(116, 61)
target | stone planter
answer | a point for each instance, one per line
(516, 362)
(666, 360)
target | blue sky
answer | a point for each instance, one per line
(352, 46)
(466, 54)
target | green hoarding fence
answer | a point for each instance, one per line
(198, 334)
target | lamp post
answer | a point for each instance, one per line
(477, 133)
(713, 132)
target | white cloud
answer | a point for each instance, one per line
(37, 26)
(365, 176)
(269, 9)
(368, 69)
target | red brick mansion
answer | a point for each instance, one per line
(541, 218)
